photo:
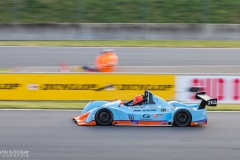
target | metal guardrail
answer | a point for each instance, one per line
(119, 31)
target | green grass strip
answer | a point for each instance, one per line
(225, 107)
(4, 69)
(80, 105)
(130, 43)
(41, 105)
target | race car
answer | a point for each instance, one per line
(151, 110)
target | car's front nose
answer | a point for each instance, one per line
(81, 120)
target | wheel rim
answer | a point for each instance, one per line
(104, 117)
(182, 118)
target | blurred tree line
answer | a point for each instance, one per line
(120, 11)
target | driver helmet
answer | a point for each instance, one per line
(137, 98)
(107, 51)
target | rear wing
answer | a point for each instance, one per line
(206, 100)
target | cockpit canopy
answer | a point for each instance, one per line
(147, 99)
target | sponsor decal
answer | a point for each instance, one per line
(149, 110)
(68, 86)
(146, 117)
(157, 115)
(202, 121)
(106, 87)
(204, 112)
(144, 110)
(163, 110)
(131, 117)
(32, 86)
(137, 110)
(147, 107)
(152, 106)
(9, 86)
(134, 122)
(143, 87)
(96, 87)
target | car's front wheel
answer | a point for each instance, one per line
(104, 117)
(182, 118)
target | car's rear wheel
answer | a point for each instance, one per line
(104, 117)
(182, 118)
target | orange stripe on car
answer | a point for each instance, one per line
(193, 123)
(196, 123)
(151, 123)
(81, 120)
(92, 123)
(84, 116)
(122, 122)
(139, 123)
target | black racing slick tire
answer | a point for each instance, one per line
(104, 117)
(182, 118)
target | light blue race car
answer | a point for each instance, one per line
(151, 111)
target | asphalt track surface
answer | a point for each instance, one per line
(52, 135)
(128, 56)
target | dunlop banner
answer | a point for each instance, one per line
(67, 86)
